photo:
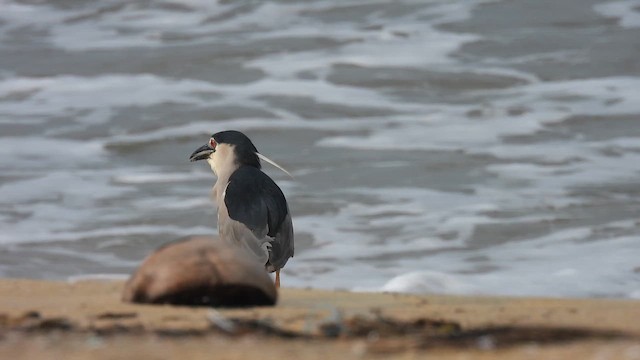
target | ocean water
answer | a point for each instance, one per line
(463, 147)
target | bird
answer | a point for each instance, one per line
(252, 209)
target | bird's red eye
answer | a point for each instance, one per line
(212, 144)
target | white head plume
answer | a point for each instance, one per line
(262, 157)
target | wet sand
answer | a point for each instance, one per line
(86, 319)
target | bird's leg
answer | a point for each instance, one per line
(277, 279)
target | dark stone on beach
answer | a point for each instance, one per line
(201, 271)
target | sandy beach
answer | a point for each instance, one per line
(86, 319)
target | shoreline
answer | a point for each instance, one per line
(40, 319)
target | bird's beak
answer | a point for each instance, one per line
(201, 153)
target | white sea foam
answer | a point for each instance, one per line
(626, 11)
(49, 233)
(598, 169)
(20, 154)
(160, 177)
(71, 28)
(529, 267)
(75, 28)
(427, 282)
(68, 95)
(447, 128)
(536, 268)
(205, 128)
(96, 277)
(82, 185)
(174, 203)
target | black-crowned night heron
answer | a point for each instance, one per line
(252, 210)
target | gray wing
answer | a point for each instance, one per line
(239, 234)
(255, 204)
(282, 245)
